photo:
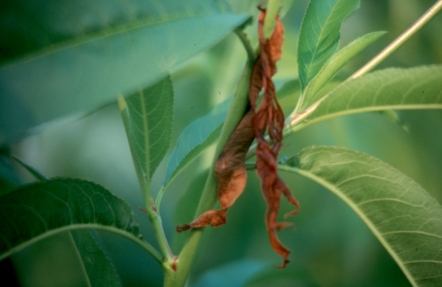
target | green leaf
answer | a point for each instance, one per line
(400, 213)
(319, 36)
(36, 211)
(389, 89)
(336, 62)
(147, 116)
(73, 57)
(98, 268)
(195, 138)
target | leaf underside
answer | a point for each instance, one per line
(72, 57)
(335, 63)
(98, 267)
(400, 213)
(389, 89)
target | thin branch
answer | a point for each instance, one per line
(406, 35)
(158, 228)
(251, 53)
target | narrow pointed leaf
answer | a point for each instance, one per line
(389, 89)
(336, 62)
(400, 213)
(194, 138)
(39, 210)
(319, 36)
(147, 116)
(74, 56)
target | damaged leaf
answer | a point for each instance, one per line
(231, 174)
(263, 118)
(268, 120)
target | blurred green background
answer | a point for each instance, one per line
(330, 245)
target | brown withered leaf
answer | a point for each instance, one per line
(231, 174)
(265, 117)
(276, 40)
(268, 120)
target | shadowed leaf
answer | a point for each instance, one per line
(39, 210)
(99, 269)
(147, 116)
(75, 56)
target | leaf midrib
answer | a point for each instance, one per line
(330, 186)
(310, 65)
(81, 260)
(85, 226)
(366, 110)
(145, 164)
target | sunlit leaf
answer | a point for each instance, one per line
(389, 89)
(400, 213)
(319, 36)
(336, 62)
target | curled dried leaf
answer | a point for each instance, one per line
(231, 174)
(265, 117)
(268, 119)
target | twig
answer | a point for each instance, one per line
(393, 46)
